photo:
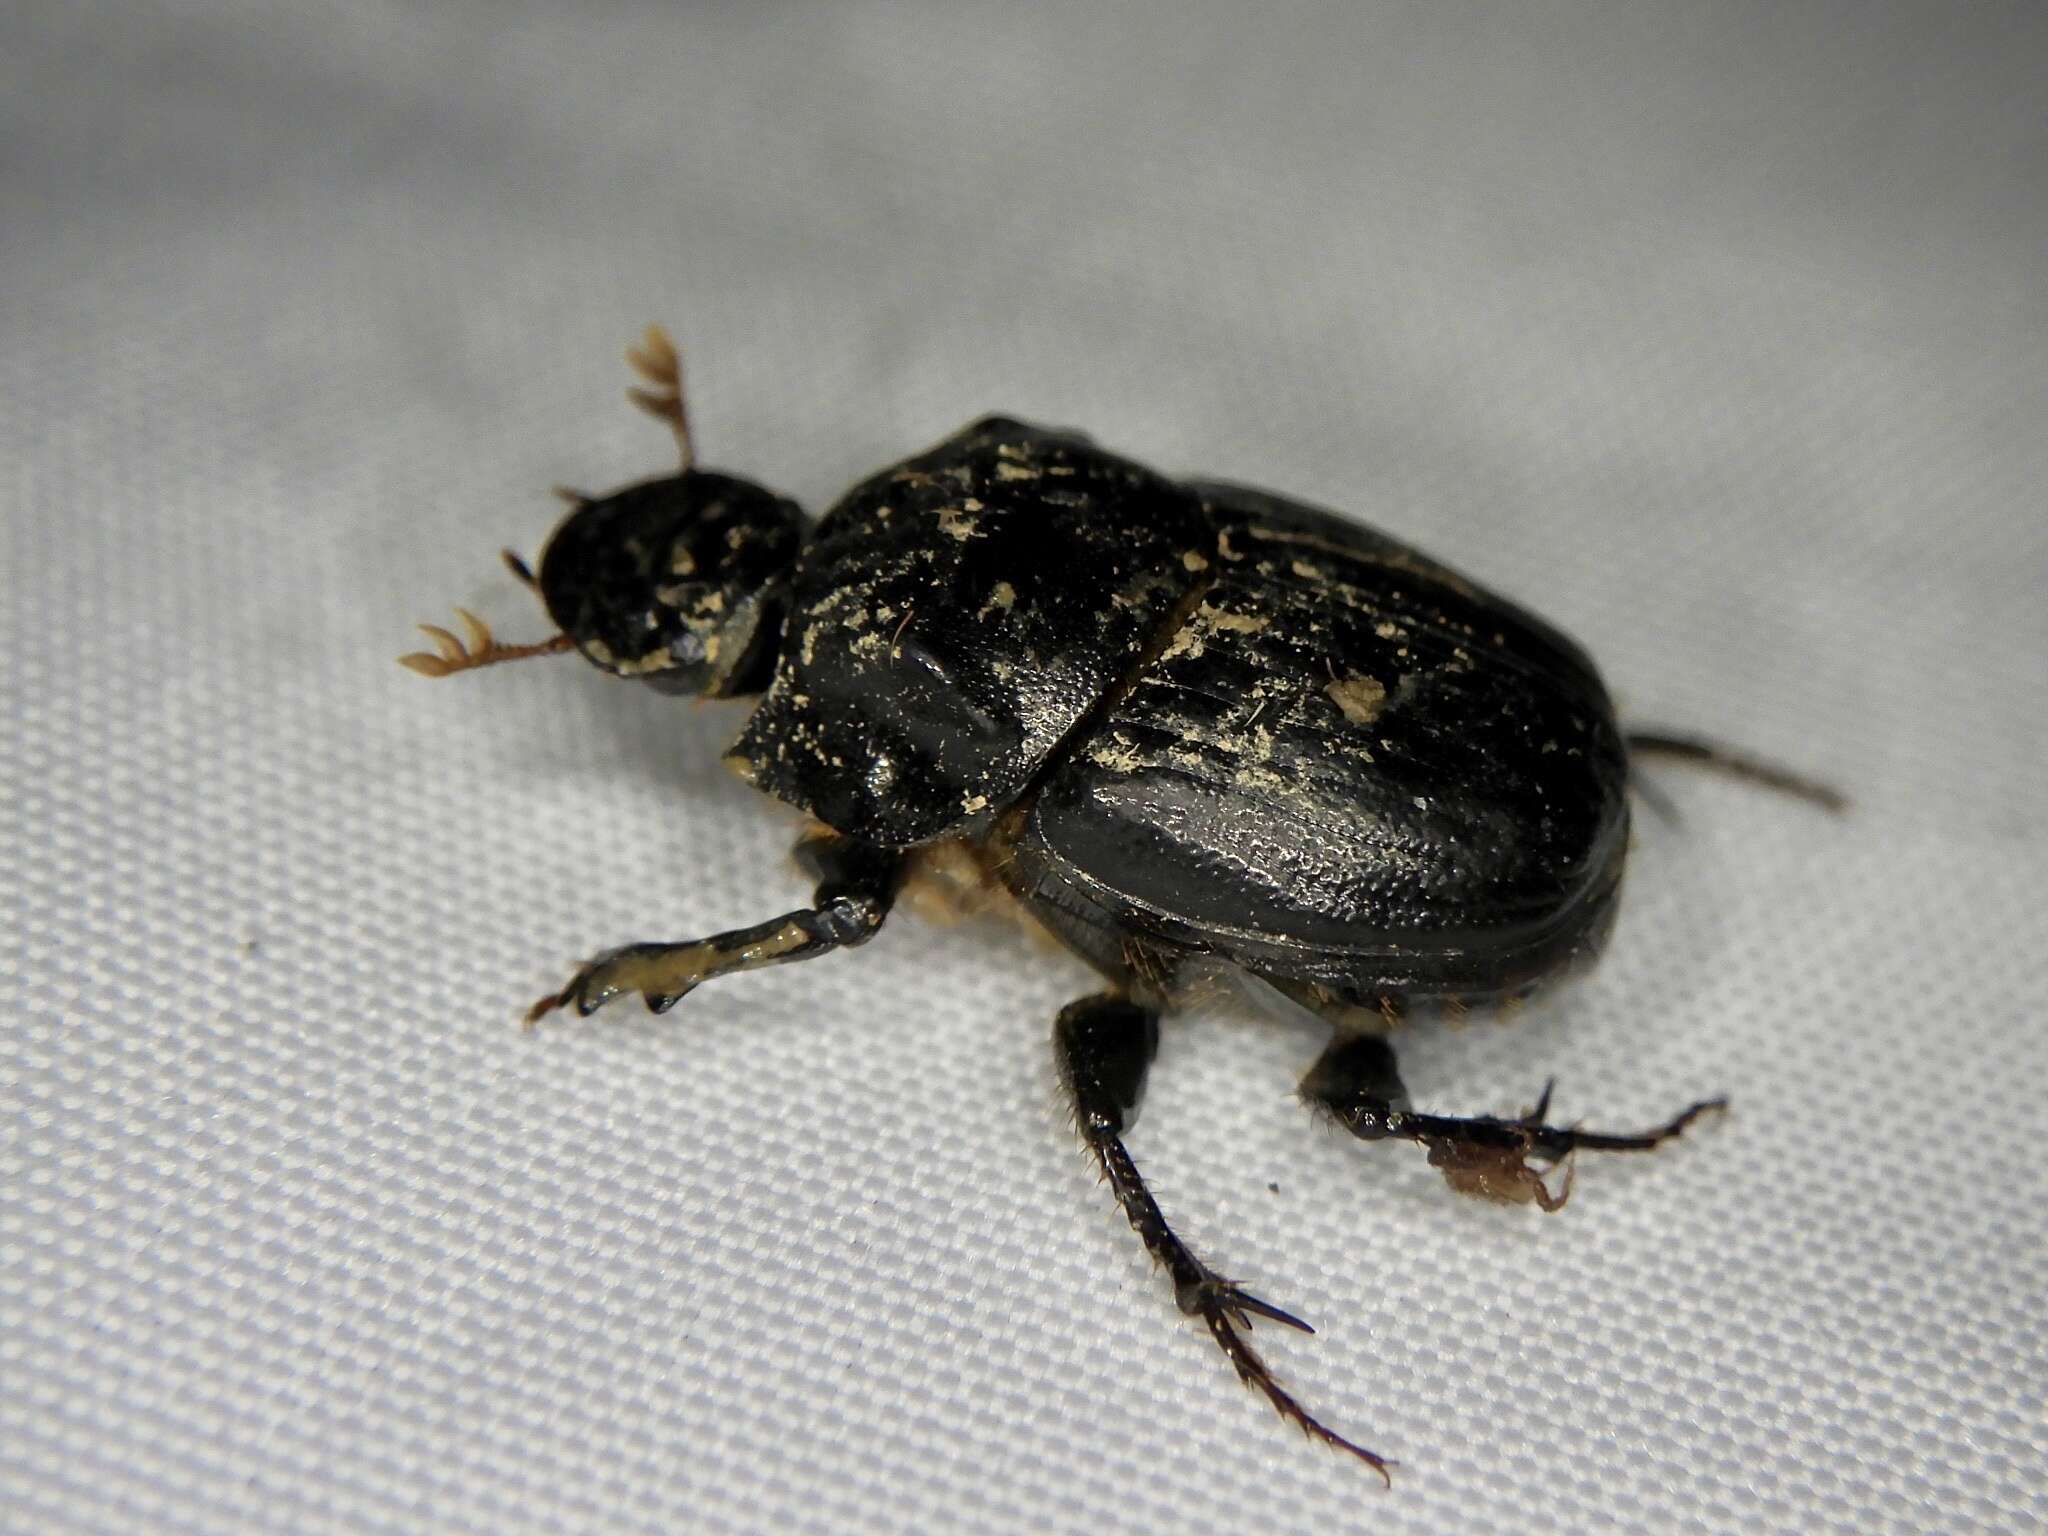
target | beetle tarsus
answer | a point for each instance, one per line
(1105, 1044)
(1577, 1140)
(1252, 1371)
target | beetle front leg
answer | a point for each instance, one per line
(857, 885)
(1105, 1046)
(1357, 1082)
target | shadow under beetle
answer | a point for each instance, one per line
(1193, 728)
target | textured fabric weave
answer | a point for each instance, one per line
(1717, 333)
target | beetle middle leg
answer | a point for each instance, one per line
(857, 884)
(1357, 1082)
(1105, 1046)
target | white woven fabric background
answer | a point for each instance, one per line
(1720, 333)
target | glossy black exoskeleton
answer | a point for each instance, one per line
(1194, 730)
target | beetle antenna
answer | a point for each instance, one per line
(483, 649)
(1738, 765)
(656, 360)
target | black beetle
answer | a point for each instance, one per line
(1194, 729)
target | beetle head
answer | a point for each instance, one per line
(682, 583)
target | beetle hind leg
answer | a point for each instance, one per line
(1105, 1045)
(857, 885)
(1358, 1084)
(1737, 765)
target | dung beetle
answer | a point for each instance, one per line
(1191, 729)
